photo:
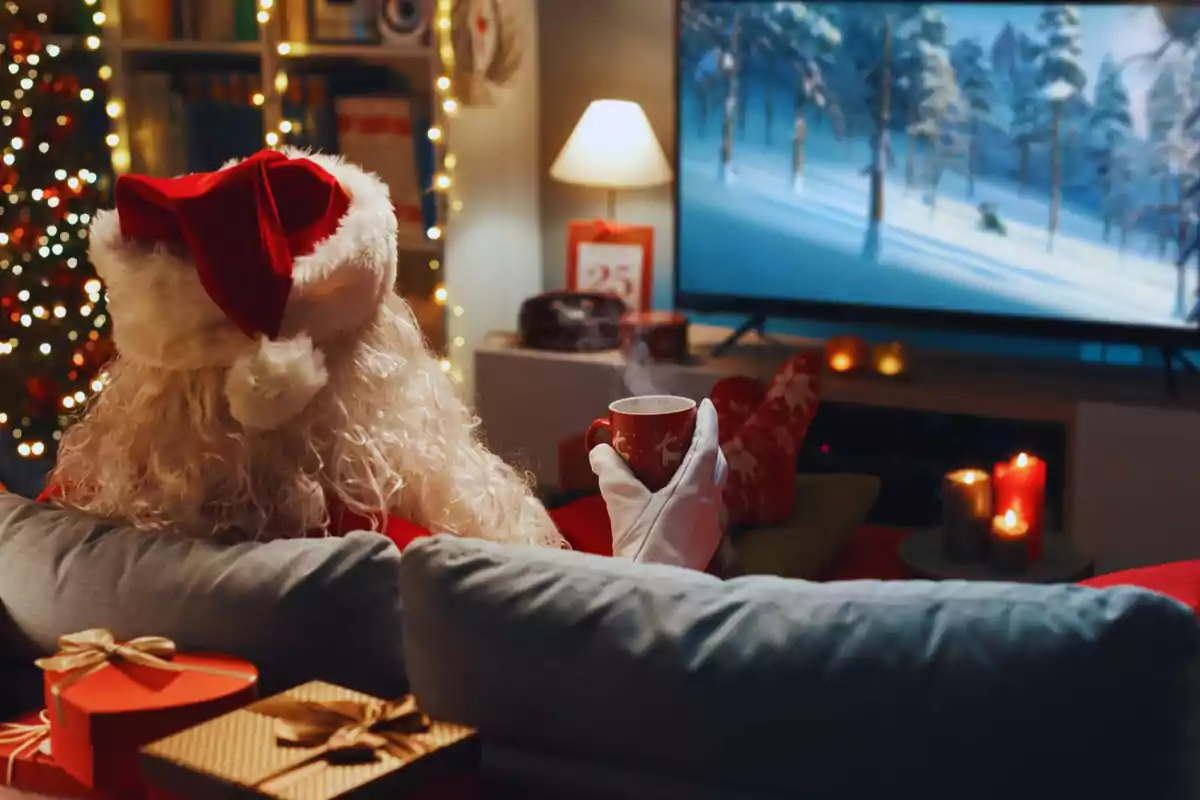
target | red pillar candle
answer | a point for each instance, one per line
(1020, 486)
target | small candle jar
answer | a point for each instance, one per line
(1009, 543)
(966, 515)
(890, 360)
(845, 354)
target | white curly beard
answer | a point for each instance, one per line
(160, 450)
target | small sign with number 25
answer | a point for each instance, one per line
(613, 268)
(616, 261)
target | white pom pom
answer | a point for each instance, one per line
(274, 381)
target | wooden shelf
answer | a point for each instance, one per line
(182, 47)
(301, 50)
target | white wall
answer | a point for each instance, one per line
(494, 243)
(595, 49)
(1136, 467)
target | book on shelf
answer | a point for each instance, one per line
(192, 123)
(147, 21)
(377, 133)
(191, 20)
(293, 20)
(156, 128)
(344, 20)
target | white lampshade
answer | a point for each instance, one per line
(613, 147)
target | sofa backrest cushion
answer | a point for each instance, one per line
(299, 609)
(857, 689)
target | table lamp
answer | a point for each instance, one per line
(612, 147)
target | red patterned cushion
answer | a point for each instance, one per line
(1180, 580)
(762, 452)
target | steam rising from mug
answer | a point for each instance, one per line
(640, 373)
(636, 372)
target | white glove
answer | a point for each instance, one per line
(681, 524)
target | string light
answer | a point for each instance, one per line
(278, 135)
(115, 107)
(447, 107)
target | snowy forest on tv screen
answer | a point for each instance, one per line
(1020, 159)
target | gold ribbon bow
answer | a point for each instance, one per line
(344, 732)
(82, 654)
(27, 737)
(603, 229)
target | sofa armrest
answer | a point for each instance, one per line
(1180, 580)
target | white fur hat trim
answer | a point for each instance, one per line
(163, 317)
(273, 382)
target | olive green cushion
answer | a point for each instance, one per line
(829, 508)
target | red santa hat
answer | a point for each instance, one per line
(255, 268)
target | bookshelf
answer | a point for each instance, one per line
(275, 58)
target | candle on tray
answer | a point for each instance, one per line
(1020, 484)
(1010, 543)
(890, 359)
(845, 353)
(966, 514)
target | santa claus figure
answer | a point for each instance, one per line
(269, 383)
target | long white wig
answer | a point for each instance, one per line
(159, 449)
(383, 431)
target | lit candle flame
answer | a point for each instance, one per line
(968, 476)
(1010, 526)
(841, 362)
(1022, 461)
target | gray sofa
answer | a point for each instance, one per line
(299, 609)
(592, 677)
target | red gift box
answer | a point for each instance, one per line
(27, 764)
(106, 700)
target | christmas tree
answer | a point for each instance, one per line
(53, 337)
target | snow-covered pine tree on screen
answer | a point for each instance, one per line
(1033, 161)
(52, 322)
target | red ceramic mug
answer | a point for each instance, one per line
(651, 432)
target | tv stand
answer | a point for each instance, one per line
(755, 324)
(1173, 357)
(1126, 501)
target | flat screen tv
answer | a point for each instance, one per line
(1013, 168)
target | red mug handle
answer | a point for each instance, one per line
(591, 439)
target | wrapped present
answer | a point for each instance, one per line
(28, 764)
(318, 742)
(106, 699)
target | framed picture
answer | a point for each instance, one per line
(611, 257)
